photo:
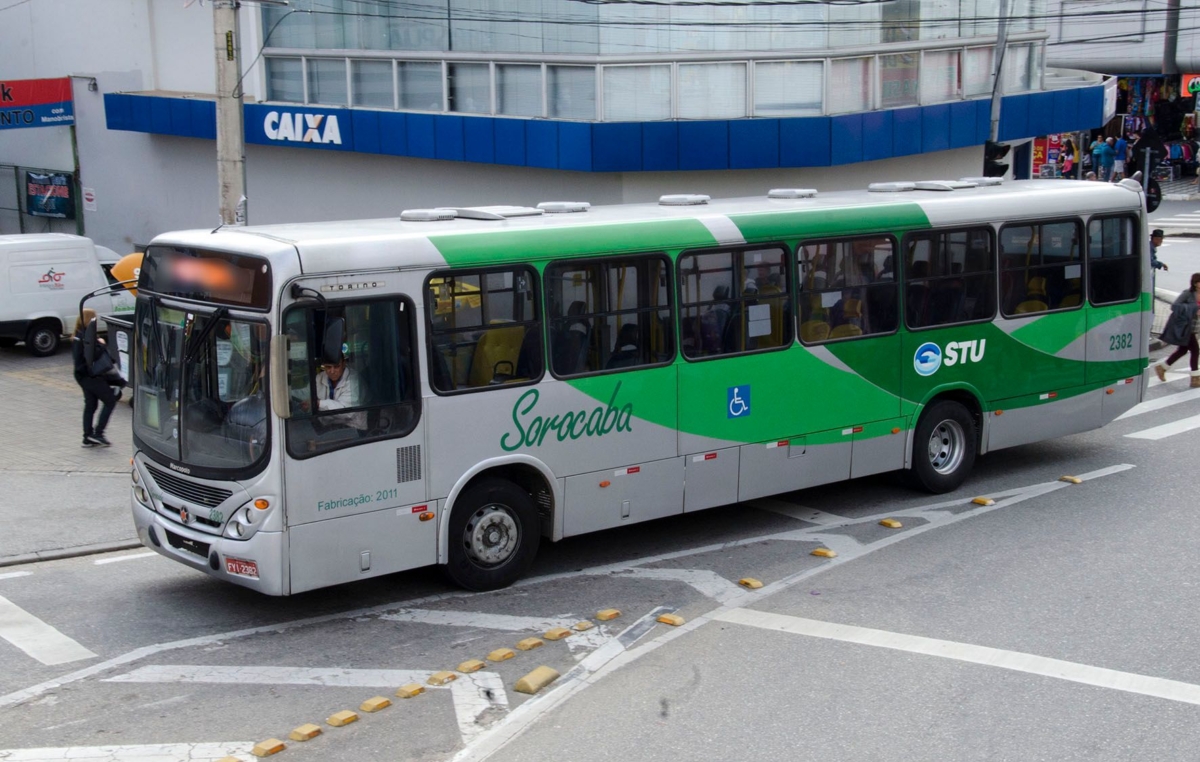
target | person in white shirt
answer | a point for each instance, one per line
(338, 387)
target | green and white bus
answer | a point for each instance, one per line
(324, 402)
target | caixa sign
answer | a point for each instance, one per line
(300, 127)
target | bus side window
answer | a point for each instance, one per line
(365, 395)
(734, 301)
(949, 277)
(1114, 266)
(617, 314)
(1041, 267)
(484, 328)
(847, 288)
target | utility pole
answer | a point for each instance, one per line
(231, 147)
(998, 69)
(1171, 39)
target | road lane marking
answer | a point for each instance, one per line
(36, 638)
(193, 752)
(118, 559)
(14, 575)
(1019, 494)
(799, 512)
(1158, 687)
(705, 581)
(1150, 406)
(1167, 429)
(446, 618)
(473, 695)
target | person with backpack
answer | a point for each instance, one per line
(97, 376)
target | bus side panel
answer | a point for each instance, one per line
(616, 497)
(879, 448)
(586, 425)
(711, 479)
(1116, 347)
(1031, 419)
(771, 468)
(356, 547)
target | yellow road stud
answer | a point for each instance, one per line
(536, 680)
(408, 690)
(441, 678)
(824, 553)
(305, 732)
(606, 614)
(229, 759)
(890, 524)
(983, 501)
(672, 619)
(374, 704)
(750, 583)
(558, 633)
(268, 747)
(344, 717)
(1071, 479)
(471, 665)
(582, 626)
(501, 654)
(528, 644)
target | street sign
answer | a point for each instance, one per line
(1153, 195)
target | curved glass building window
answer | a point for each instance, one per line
(712, 91)
(788, 88)
(637, 93)
(469, 87)
(327, 81)
(572, 92)
(372, 81)
(285, 80)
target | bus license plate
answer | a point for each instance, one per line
(241, 568)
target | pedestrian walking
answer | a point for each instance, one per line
(1181, 329)
(1121, 153)
(97, 376)
(1156, 239)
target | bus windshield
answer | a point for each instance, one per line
(201, 386)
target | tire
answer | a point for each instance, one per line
(494, 535)
(42, 339)
(944, 447)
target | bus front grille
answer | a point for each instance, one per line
(201, 494)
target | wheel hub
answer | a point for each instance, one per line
(491, 536)
(946, 445)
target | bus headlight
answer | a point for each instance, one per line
(139, 492)
(133, 474)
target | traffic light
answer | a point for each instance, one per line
(993, 152)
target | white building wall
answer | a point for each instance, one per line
(1120, 36)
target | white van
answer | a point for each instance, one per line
(42, 278)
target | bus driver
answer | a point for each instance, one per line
(338, 387)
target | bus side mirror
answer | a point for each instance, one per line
(280, 394)
(335, 337)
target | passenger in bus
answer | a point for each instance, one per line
(626, 353)
(571, 345)
(714, 320)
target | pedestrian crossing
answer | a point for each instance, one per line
(1177, 392)
(1185, 220)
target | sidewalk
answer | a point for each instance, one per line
(59, 499)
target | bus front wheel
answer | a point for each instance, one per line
(944, 447)
(494, 535)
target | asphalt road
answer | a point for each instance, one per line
(1060, 623)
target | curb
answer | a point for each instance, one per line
(81, 550)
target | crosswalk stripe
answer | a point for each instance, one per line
(1172, 690)
(1150, 406)
(36, 638)
(1168, 429)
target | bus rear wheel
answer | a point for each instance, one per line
(494, 535)
(944, 447)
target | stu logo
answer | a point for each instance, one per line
(929, 357)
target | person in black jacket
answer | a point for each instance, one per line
(92, 367)
(1181, 329)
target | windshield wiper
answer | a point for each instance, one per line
(197, 341)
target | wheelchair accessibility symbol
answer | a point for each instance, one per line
(739, 402)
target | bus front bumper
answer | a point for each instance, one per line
(256, 563)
